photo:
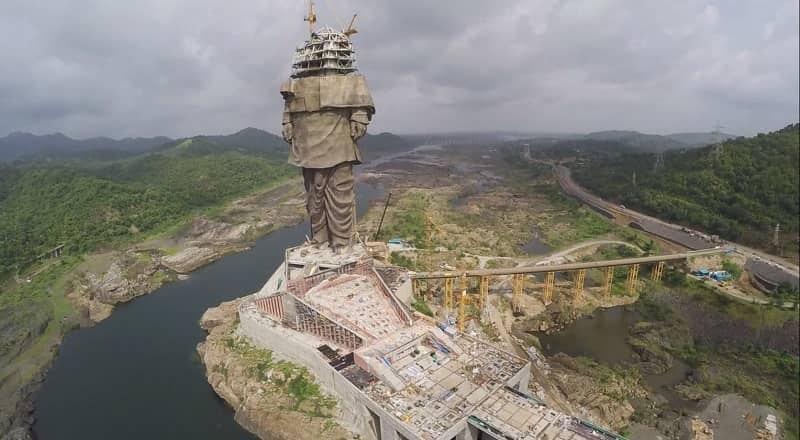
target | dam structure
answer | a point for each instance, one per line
(395, 373)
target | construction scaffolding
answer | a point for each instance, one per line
(609, 280)
(462, 310)
(448, 293)
(325, 50)
(516, 296)
(657, 272)
(580, 277)
(633, 277)
(297, 315)
(549, 282)
(484, 294)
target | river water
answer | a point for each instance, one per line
(137, 375)
(603, 337)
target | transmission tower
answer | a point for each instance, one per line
(659, 161)
(718, 139)
(776, 237)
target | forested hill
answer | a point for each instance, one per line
(100, 197)
(86, 203)
(740, 192)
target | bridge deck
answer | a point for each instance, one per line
(567, 267)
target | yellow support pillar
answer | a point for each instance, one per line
(448, 294)
(484, 298)
(415, 287)
(549, 282)
(633, 277)
(658, 271)
(516, 288)
(609, 281)
(580, 277)
(464, 283)
(462, 311)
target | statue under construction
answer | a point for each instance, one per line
(327, 109)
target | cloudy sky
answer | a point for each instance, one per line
(183, 67)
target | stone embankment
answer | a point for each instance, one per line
(249, 380)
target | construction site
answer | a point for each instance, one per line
(400, 374)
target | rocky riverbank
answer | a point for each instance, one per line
(259, 387)
(686, 346)
(106, 279)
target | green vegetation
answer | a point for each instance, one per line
(284, 377)
(411, 223)
(421, 306)
(86, 206)
(739, 194)
(734, 269)
(785, 293)
(401, 260)
(628, 378)
(89, 203)
(725, 363)
(766, 377)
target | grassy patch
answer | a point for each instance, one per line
(409, 220)
(401, 260)
(284, 377)
(419, 304)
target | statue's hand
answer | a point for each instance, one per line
(357, 130)
(287, 132)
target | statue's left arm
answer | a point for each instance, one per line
(359, 119)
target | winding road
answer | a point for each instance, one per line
(770, 268)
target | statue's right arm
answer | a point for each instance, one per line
(287, 130)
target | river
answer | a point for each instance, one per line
(603, 338)
(137, 375)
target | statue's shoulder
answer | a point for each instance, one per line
(287, 87)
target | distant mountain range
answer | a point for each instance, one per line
(652, 142)
(26, 146)
(20, 145)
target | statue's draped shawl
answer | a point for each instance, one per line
(320, 109)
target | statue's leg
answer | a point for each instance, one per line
(315, 180)
(339, 202)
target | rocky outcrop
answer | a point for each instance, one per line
(191, 258)
(247, 379)
(124, 276)
(601, 394)
(653, 343)
(18, 434)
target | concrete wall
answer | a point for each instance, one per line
(265, 333)
(355, 406)
(275, 283)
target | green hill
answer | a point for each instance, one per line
(88, 205)
(739, 194)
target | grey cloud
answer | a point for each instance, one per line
(180, 67)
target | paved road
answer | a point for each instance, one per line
(567, 267)
(768, 267)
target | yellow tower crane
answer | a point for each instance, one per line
(311, 18)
